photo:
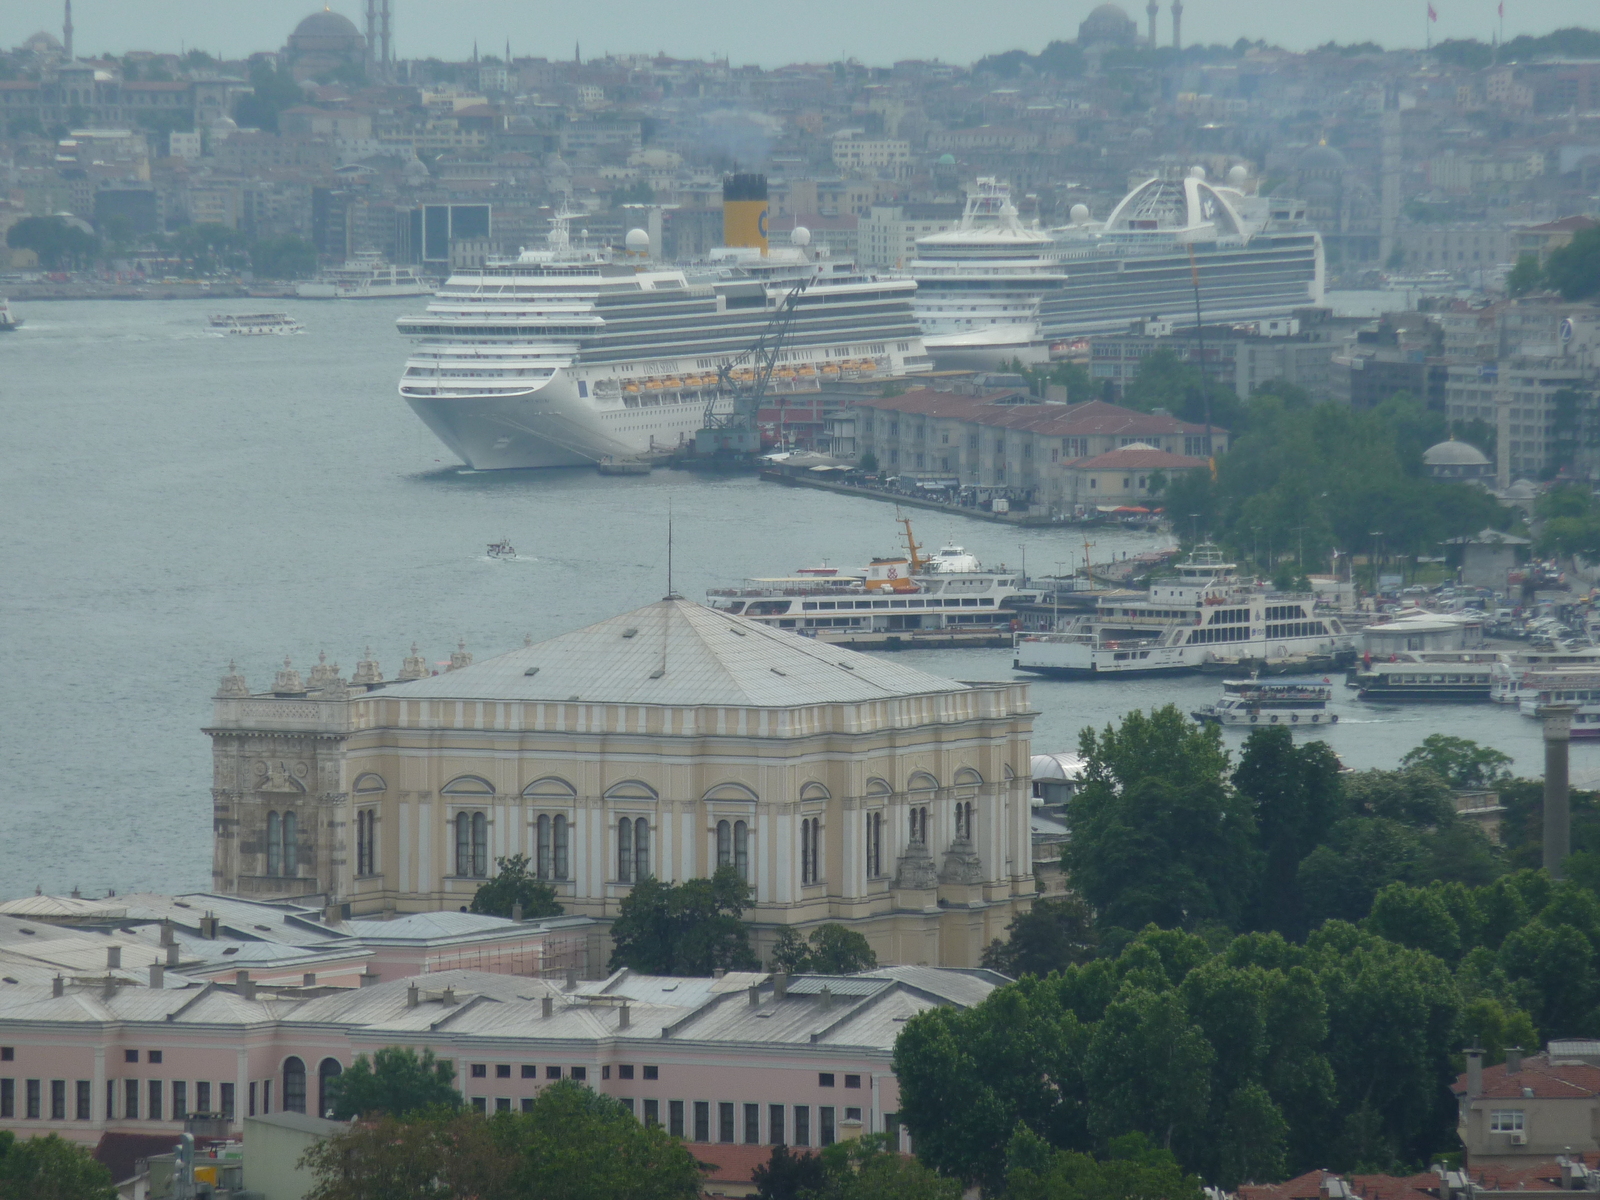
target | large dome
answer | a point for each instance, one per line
(326, 24)
(1321, 158)
(1108, 23)
(1454, 454)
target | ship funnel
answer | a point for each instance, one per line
(744, 211)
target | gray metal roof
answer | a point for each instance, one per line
(675, 652)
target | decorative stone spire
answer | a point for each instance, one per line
(322, 673)
(288, 682)
(415, 666)
(459, 657)
(233, 685)
(368, 672)
(334, 687)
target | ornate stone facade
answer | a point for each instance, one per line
(664, 742)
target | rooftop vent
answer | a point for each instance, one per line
(630, 632)
(531, 671)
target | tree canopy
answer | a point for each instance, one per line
(832, 950)
(511, 887)
(58, 243)
(395, 1081)
(50, 1168)
(688, 928)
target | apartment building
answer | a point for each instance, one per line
(887, 235)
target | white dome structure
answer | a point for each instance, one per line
(1197, 172)
(637, 243)
(1080, 214)
(1238, 175)
(1453, 460)
(800, 236)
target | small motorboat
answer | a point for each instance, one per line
(502, 549)
(9, 321)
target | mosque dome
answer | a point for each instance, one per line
(1321, 158)
(326, 24)
(1454, 454)
(947, 160)
(1108, 23)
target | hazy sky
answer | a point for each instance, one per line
(878, 31)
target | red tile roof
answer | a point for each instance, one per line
(1049, 420)
(731, 1163)
(1137, 458)
(1301, 1187)
(1564, 225)
(1564, 1081)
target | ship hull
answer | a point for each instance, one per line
(550, 426)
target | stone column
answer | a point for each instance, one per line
(1557, 720)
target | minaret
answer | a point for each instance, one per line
(1152, 8)
(66, 32)
(372, 37)
(1177, 24)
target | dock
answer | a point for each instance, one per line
(909, 501)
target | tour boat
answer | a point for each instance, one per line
(502, 549)
(1252, 703)
(1427, 675)
(254, 324)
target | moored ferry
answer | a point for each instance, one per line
(1508, 682)
(1427, 675)
(364, 277)
(1199, 611)
(1250, 702)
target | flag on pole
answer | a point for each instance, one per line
(1433, 14)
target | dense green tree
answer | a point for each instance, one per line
(1148, 1070)
(688, 928)
(1254, 1139)
(271, 91)
(513, 887)
(1493, 1026)
(396, 1081)
(1460, 762)
(1055, 933)
(50, 1168)
(209, 248)
(789, 1175)
(1132, 1170)
(1574, 269)
(836, 950)
(439, 1157)
(1362, 856)
(58, 243)
(286, 257)
(1416, 917)
(1158, 836)
(1526, 276)
(865, 1168)
(1296, 797)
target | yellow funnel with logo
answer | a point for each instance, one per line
(744, 211)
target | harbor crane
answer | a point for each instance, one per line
(736, 431)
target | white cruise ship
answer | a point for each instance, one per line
(1201, 613)
(1253, 255)
(364, 277)
(562, 357)
(980, 285)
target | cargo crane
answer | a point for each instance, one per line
(736, 432)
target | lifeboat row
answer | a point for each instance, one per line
(669, 383)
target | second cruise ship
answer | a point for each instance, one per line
(564, 357)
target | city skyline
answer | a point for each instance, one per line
(881, 35)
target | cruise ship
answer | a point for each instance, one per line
(1253, 256)
(1201, 613)
(981, 286)
(563, 356)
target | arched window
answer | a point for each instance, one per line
(741, 850)
(463, 844)
(545, 851)
(874, 844)
(919, 823)
(480, 845)
(724, 843)
(294, 1085)
(367, 841)
(633, 849)
(562, 834)
(808, 849)
(274, 844)
(290, 865)
(330, 1068)
(641, 848)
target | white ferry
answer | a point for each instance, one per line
(951, 592)
(1559, 687)
(1427, 675)
(1202, 610)
(1507, 677)
(9, 321)
(562, 356)
(254, 324)
(1250, 702)
(364, 277)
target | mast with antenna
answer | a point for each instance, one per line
(671, 594)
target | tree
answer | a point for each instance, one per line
(790, 952)
(1157, 835)
(394, 1081)
(865, 1168)
(1134, 1170)
(1460, 762)
(438, 1157)
(1526, 276)
(286, 257)
(58, 243)
(1574, 269)
(513, 886)
(789, 1176)
(869, 463)
(50, 1168)
(690, 928)
(1295, 795)
(1148, 1069)
(836, 950)
(1053, 934)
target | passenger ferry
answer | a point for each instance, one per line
(254, 324)
(1428, 675)
(1202, 609)
(1507, 684)
(562, 356)
(1559, 687)
(950, 592)
(1250, 702)
(364, 277)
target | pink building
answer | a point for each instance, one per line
(749, 1059)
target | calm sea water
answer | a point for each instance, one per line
(172, 500)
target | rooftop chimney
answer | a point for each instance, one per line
(166, 933)
(1557, 795)
(826, 996)
(623, 1017)
(547, 1007)
(1513, 1059)
(780, 984)
(516, 911)
(208, 927)
(245, 985)
(58, 986)
(368, 978)
(572, 979)
(158, 975)
(1474, 1074)
(755, 995)
(309, 979)
(718, 973)
(448, 998)
(113, 957)
(172, 956)
(411, 996)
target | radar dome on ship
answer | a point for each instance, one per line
(801, 236)
(1080, 214)
(1238, 174)
(1197, 172)
(637, 242)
